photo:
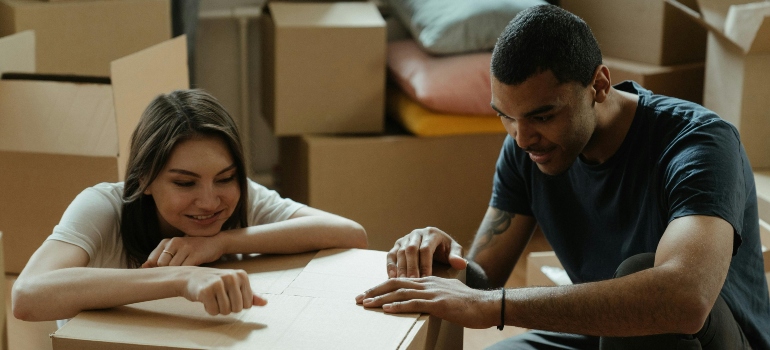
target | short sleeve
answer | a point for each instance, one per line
(92, 220)
(704, 174)
(267, 206)
(509, 191)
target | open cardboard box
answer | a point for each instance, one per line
(683, 81)
(738, 68)
(83, 37)
(310, 306)
(59, 137)
(648, 31)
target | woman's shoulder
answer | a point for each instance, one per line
(112, 191)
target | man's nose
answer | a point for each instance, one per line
(525, 135)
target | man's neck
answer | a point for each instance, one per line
(614, 118)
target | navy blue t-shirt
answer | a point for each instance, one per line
(678, 159)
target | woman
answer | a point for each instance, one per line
(186, 201)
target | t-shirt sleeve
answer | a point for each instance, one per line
(267, 206)
(705, 175)
(509, 192)
(91, 218)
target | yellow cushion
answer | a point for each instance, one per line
(423, 122)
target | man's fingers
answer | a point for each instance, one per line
(413, 256)
(426, 256)
(456, 259)
(391, 259)
(410, 306)
(401, 262)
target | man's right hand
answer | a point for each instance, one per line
(413, 254)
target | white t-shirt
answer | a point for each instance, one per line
(92, 220)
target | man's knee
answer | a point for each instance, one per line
(635, 264)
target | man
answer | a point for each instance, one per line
(648, 201)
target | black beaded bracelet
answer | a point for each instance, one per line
(502, 310)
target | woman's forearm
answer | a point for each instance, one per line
(63, 293)
(296, 235)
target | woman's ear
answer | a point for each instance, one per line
(147, 187)
(601, 83)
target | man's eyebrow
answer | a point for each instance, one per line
(190, 173)
(536, 111)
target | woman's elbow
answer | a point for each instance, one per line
(21, 303)
(358, 235)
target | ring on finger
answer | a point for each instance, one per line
(168, 252)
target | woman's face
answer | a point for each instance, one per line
(197, 190)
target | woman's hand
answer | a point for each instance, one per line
(221, 291)
(186, 251)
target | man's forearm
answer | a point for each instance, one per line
(648, 302)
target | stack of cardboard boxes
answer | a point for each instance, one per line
(649, 42)
(90, 69)
(324, 85)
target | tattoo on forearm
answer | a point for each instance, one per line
(494, 223)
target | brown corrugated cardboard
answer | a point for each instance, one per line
(57, 138)
(764, 236)
(294, 318)
(738, 69)
(683, 81)
(394, 184)
(83, 37)
(535, 262)
(644, 31)
(324, 68)
(18, 53)
(762, 181)
(3, 324)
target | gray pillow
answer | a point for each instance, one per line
(456, 26)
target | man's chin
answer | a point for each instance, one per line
(552, 169)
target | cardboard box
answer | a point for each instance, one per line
(648, 31)
(83, 37)
(324, 68)
(762, 183)
(683, 81)
(310, 306)
(18, 53)
(394, 184)
(738, 69)
(3, 323)
(59, 137)
(536, 261)
(764, 237)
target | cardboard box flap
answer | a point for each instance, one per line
(710, 17)
(748, 25)
(140, 77)
(326, 14)
(57, 118)
(17, 52)
(744, 23)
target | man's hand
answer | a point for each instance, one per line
(413, 254)
(448, 299)
(221, 291)
(185, 251)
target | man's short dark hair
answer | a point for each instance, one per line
(543, 38)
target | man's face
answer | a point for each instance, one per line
(550, 121)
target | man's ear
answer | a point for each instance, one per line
(601, 83)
